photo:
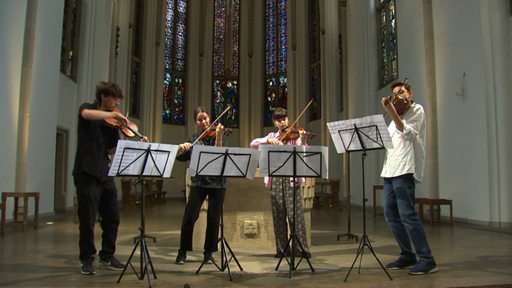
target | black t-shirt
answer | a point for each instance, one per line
(94, 140)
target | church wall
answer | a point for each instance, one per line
(93, 66)
(12, 19)
(43, 101)
(467, 80)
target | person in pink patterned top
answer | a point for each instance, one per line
(283, 190)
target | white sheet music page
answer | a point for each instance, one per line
(223, 161)
(277, 160)
(130, 159)
(373, 131)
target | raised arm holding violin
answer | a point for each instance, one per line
(399, 103)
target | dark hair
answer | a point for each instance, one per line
(200, 109)
(279, 112)
(400, 83)
(108, 89)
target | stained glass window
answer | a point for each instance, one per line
(314, 60)
(173, 106)
(226, 61)
(70, 37)
(387, 39)
(276, 64)
(136, 59)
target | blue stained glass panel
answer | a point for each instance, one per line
(173, 98)
(276, 58)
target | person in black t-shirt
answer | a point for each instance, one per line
(96, 191)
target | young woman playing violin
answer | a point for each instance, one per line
(282, 188)
(202, 186)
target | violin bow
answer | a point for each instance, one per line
(211, 124)
(298, 117)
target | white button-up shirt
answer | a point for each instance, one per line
(408, 154)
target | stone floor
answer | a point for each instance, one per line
(47, 257)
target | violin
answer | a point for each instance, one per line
(293, 133)
(401, 104)
(130, 130)
(211, 133)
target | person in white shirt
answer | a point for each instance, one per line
(403, 168)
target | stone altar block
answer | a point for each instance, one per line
(248, 213)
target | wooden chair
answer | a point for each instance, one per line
(24, 219)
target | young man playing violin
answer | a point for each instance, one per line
(95, 190)
(283, 189)
(403, 167)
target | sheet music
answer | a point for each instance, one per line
(223, 161)
(373, 130)
(130, 155)
(277, 160)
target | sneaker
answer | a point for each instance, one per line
(112, 264)
(182, 257)
(423, 267)
(86, 267)
(401, 263)
(208, 258)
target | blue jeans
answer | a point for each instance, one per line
(401, 216)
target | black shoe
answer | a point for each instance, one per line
(401, 263)
(208, 258)
(182, 257)
(86, 267)
(112, 264)
(423, 267)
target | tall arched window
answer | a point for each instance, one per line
(70, 38)
(136, 27)
(226, 61)
(388, 43)
(276, 64)
(314, 60)
(174, 62)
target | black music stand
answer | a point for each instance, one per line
(363, 134)
(131, 159)
(293, 161)
(223, 162)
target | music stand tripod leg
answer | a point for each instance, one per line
(364, 239)
(349, 234)
(224, 252)
(145, 259)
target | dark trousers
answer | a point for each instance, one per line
(97, 196)
(196, 198)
